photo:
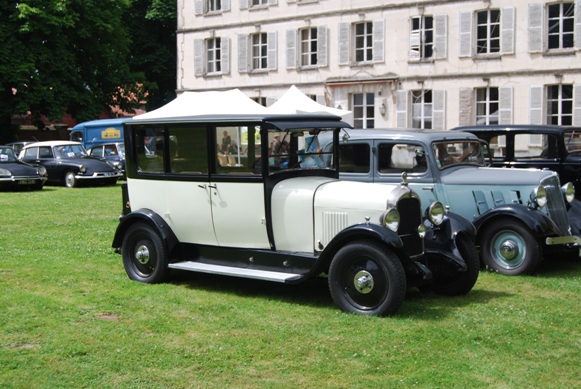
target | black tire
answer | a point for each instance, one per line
(70, 179)
(144, 255)
(366, 277)
(509, 248)
(463, 282)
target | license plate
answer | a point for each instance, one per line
(26, 182)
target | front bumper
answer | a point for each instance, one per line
(99, 176)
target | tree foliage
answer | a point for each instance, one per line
(84, 56)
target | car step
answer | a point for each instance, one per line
(235, 271)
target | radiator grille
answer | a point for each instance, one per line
(410, 213)
(556, 208)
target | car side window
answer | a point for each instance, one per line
(238, 150)
(188, 149)
(110, 150)
(45, 152)
(573, 142)
(150, 145)
(535, 146)
(30, 154)
(97, 151)
(401, 157)
(354, 158)
(497, 148)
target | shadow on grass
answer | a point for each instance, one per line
(556, 267)
(315, 293)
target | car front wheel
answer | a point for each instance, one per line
(70, 179)
(366, 277)
(144, 255)
(509, 248)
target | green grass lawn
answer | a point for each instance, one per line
(70, 317)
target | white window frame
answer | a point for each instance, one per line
(492, 32)
(306, 49)
(363, 42)
(202, 58)
(486, 105)
(560, 21)
(422, 38)
(259, 51)
(563, 104)
(422, 108)
(213, 6)
(467, 44)
(213, 55)
(365, 120)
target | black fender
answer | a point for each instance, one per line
(153, 219)
(574, 214)
(540, 224)
(441, 241)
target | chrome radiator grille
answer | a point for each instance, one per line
(556, 204)
(410, 218)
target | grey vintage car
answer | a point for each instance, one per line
(521, 215)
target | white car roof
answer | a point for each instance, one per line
(52, 143)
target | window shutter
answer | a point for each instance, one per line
(507, 31)
(291, 49)
(243, 4)
(439, 110)
(198, 7)
(271, 50)
(401, 108)
(441, 36)
(243, 53)
(415, 40)
(378, 41)
(291, 1)
(465, 107)
(505, 105)
(322, 46)
(272, 2)
(225, 54)
(344, 43)
(199, 48)
(536, 104)
(535, 28)
(321, 100)
(465, 34)
(226, 6)
(577, 105)
(578, 24)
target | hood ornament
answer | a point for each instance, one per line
(404, 179)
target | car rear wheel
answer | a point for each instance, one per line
(509, 248)
(366, 277)
(144, 255)
(70, 179)
(462, 282)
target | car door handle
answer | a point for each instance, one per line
(430, 188)
(212, 186)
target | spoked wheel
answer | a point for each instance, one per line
(510, 248)
(70, 179)
(144, 255)
(366, 277)
(461, 282)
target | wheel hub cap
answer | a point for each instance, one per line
(508, 250)
(142, 254)
(363, 282)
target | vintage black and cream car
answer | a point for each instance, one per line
(254, 196)
(522, 215)
(15, 174)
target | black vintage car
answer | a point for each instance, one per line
(68, 164)
(557, 148)
(15, 174)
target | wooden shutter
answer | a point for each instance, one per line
(243, 53)
(344, 43)
(291, 49)
(225, 54)
(441, 36)
(535, 28)
(199, 47)
(243, 4)
(465, 106)
(439, 110)
(322, 47)
(271, 50)
(536, 104)
(378, 41)
(507, 30)
(198, 7)
(465, 47)
(401, 108)
(577, 105)
(226, 6)
(505, 105)
(578, 24)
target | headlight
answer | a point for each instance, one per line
(422, 231)
(83, 169)
(539, 196)
(569, 192)
(5, 173)
(390, 219)
(42, 171)
(436, 213)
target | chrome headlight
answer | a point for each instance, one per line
(5, 173)
(83, 169)
(569, 192)
(42, 171)
(390, 219)
(436, 213)
(422, 231)
(539, 196)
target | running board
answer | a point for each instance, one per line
(235, 271)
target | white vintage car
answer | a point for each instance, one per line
(255, 197)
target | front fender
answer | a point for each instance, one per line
(147, 216)
(539, 223)
(574, 214)
(364, 230)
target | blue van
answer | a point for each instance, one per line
(98, 132)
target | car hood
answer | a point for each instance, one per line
(19, 168)
(92, 164)
(466, 175)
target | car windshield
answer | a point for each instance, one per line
(452, 153)
(298, 149)
(7, 155)
(69, 151)
(121, 150)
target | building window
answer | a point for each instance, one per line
(487, 103)
(260, 100)
(422, 37)
(364, 110)
(213, 56)
(308, 46)
(363, 42)
(488, 32)
(422, 109)
(255, 3)
(561, 25)
(214, 5)
(560, 105)
(259, 51)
